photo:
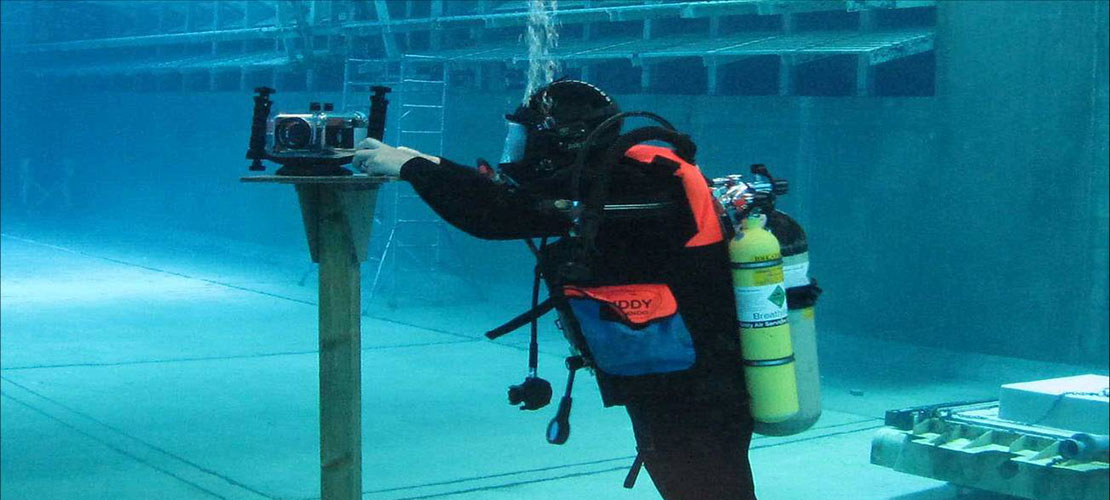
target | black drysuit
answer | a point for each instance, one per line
(692, 427)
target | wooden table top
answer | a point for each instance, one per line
(356, 179)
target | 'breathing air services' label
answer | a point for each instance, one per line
(761, 306)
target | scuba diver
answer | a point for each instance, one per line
(639, 274)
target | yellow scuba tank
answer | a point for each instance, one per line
(757, 278)
(801, 295)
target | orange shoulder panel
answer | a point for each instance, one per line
(697, 193)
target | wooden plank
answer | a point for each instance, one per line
(340, 371)
(320, 179)
(338, 219)
(338, 213)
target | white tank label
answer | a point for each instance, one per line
(761, 306)
(796, 274)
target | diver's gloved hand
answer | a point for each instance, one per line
(377, 158)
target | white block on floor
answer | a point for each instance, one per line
(1078, 403)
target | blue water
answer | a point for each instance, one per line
(158, 315)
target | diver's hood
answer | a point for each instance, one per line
(538, 152)
(527, 168)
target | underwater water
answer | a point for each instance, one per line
(158, 317)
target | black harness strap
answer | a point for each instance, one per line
(532, 315)
(527, 317)
(634, 471)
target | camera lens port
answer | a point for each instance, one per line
(293, 133)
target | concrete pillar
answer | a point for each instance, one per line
(712, 78)
(864, 76)
(435, 36)
(786, 75)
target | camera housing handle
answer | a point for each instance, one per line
(375, 129)
(256, 151)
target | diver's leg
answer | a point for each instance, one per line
(695, 450)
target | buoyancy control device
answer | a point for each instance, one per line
(620, 329)
(743, 198)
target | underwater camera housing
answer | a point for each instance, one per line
(318, 142)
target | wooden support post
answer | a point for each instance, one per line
(338, 213)
(340, 380)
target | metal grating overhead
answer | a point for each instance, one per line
(186, 64)
(879, 47)
(313, 37)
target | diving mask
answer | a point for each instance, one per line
(516, 136)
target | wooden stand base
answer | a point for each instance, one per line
(338, 213)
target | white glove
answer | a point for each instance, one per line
(377, 158)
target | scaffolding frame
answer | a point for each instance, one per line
(283, 38)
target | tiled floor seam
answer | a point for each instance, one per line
(856, 426)
(227, 285)
(224, 358)
(149, 455)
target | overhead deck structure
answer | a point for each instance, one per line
(309, 41)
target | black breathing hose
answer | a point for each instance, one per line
(534, 344)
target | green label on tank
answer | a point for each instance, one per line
(777, 297)
(757, 309)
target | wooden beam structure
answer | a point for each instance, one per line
(338, 212)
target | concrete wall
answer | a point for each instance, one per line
(1017, 89)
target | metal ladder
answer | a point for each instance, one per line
(422, 95)
(358, 76)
